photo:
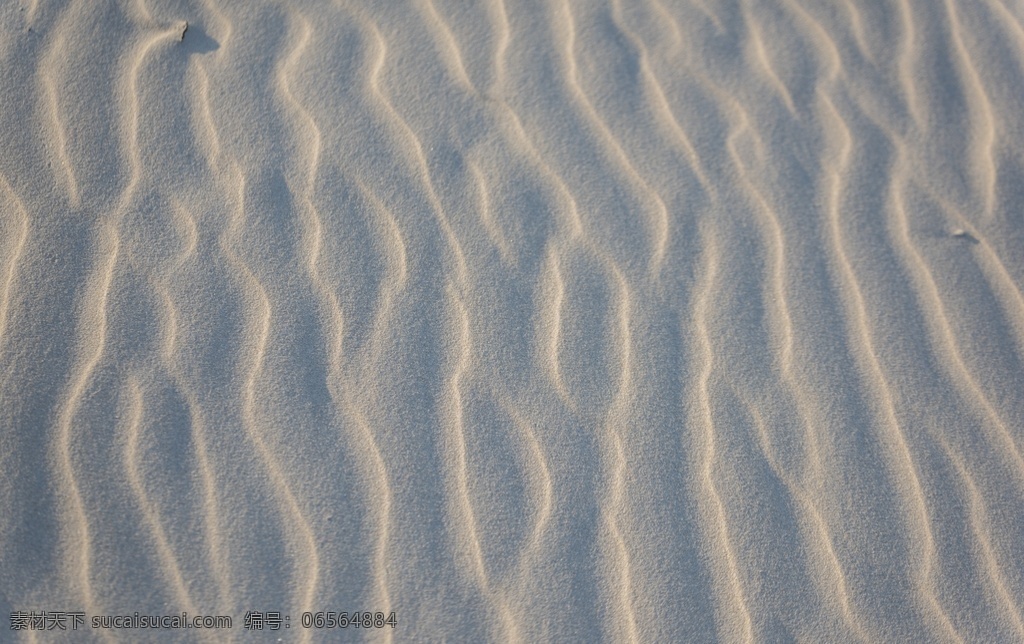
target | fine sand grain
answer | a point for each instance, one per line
(540, 321)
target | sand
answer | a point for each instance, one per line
(561, 321)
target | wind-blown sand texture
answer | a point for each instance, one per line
(632, 321)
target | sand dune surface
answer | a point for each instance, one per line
(541, 321)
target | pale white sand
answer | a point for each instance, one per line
(621, 320)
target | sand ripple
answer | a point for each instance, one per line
(540, 321)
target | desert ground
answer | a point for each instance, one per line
(520, 321)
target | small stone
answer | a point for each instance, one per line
(960, 233)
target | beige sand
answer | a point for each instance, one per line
(631, 321)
